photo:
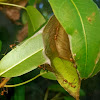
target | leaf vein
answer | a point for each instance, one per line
(19, 62)
(83, 30)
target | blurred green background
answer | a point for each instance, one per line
(41, 88)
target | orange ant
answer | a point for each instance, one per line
(72, 85)
(4, 90)
(12, 45)
(42, 67)
(3, 82)
(46, 67)
(71, 59)
(55, 36)
(65, 81)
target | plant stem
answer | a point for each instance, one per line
(56, 96)
(14, 5)
(46, 95)
(4, 82)
(25, 81)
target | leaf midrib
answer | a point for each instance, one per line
(20, 62)
(83, 27)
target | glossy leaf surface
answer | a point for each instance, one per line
(23, 58)
(81, 20)
(35, 19)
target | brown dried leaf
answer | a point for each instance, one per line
(57, 39)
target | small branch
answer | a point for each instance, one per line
(4, 82)
(25, 81)
(14, 5)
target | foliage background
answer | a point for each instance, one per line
(40, 88)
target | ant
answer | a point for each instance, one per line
(55, 36)
(13, 45)
(42, 67)
(46, 67)
(3, 82)
(73, 86)
(4, 90)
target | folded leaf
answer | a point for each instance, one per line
(57, 49)
(67, 76)
(23, 58)
(56, 40)
(81, 20)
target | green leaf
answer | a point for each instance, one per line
(35, 19)
(81, 20)
(67, 76)
(57, 49)
(24, 17)
(0, 45)
(23, 58)
(31, 2)
(48, 75)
